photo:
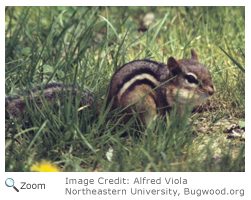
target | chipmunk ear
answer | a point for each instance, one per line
(194, 55)
(174, 66)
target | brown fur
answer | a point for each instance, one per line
(17, 106)
(150, 88)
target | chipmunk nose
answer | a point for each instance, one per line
(211, 90)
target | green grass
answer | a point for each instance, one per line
(85, 46)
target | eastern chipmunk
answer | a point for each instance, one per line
(146, 87)
(150, 88)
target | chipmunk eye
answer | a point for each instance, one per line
(191, 79)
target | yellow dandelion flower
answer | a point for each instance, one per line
(44, 166)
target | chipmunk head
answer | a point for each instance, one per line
(192, 82)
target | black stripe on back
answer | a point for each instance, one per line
(141, 82)
(136, 73)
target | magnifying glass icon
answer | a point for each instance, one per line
(10, 183)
